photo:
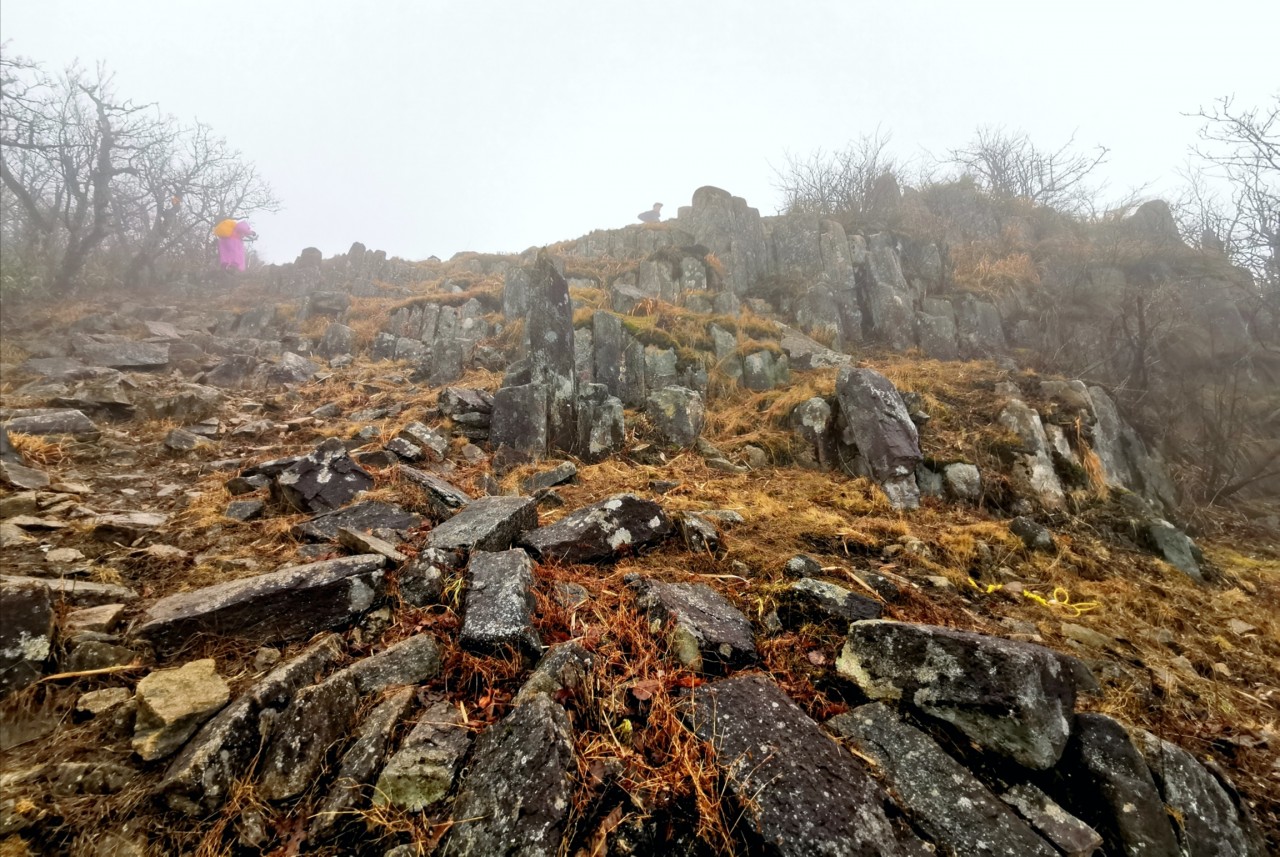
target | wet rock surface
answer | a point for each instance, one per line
(603, 531)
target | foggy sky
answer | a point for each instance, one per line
(430, 128)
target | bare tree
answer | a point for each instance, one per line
(1232, 201)
(842, 185)
(1010, 165)
(86, 174)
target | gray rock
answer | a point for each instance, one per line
(200, 778)
(1104, 781)
(499, 603)
(98, 703)
(705, 632)
(361, 517)
(805, 353)
(173, 703)
(814, 422)
(245, 510)
(699, 534)
(886, 297)
(181, 440)
(802, 565)
(123, 354)
(366, 543)
(563, 669)
(305, 734)
(190, 404)
(422, 771)
(516, 796)
(324, 480)
(809, 599)
(338, 339)
(1067, 833)
(454, 401)
(1173, 546)
(425, 438)
(677, 413)
(798, 789)
(1034, 535)
(103, 618)
(518, 427)
(360, 764)
(26, 632)
(551, 351)
(97, 655)
(422, 580)
(14, 470)
(486, 524)
(56, 421)
(946, 802)
(764, 370)
(963, 482)
(877, 423)
(291, 370)
(126, 528)
(601, 423)
(410, 661)
(76, 592)
(288, 604)
(564, 472)
(1035, 463)
(1213, 822)
(442, 498)
(1015, 699)
(600, 532)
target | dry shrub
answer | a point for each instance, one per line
(978, 269)
(43, 450)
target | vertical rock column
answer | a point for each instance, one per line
(551, 358)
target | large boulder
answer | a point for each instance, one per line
(288, 604)
(1035, 462)
(304, 736)
(801, 793)
(518, 425)
(877, 422)
(601, 532)
(519, 786)
(677, 413)
(551, 354)
(1015, 699)
(1104, 780)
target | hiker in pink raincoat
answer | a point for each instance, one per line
(231, 237)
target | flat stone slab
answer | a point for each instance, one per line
(199, 779)
(486, 524)
(173, 703)
(799, 790)
(410, 661)
(499, 603)
(126, 527)
(601, 532)
(422, 771)
(360, 763)
(289, 604)
(1015, 699)
(519, 786)
(956, 811)
(60, 421)
(1069, 834)
(79, 593)
(124, 355)
(360, 517)
(443, 498)
(321, 481)
(705, 632)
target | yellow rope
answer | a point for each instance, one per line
(1060, 599)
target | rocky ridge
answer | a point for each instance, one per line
(294, 585)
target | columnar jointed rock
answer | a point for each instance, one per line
(499, 607)
(1105, 782)
(602, 531)
(26, 632)
(173, 703)
(803, 794)
(877, 423)
(422, 771)
(518, 427)
(1015, 699)
(288, 604)
(486, 524)
(956, 811)
(323, 480)
(1036, 461)
(706, 632)
(551, 358)
(516, 797)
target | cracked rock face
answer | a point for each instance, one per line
(519, 786)
(602, 531)
(802, 792)
(1015, 699)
